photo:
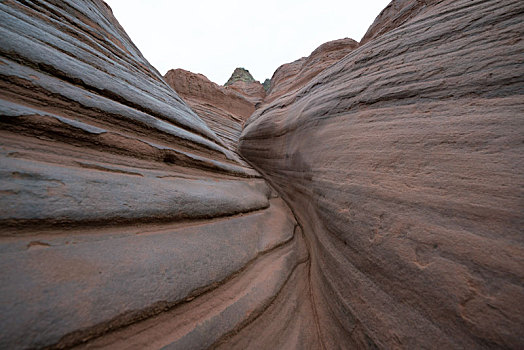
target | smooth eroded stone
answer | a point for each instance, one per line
(118, 203)
(403, 164)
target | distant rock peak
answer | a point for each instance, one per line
(240, 74)
(266, 84)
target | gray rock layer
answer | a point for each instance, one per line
(118, 204)
(127, 221)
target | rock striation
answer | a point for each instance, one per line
(394, 15)
(403, 165)
(381, 207)
(224, 110)
(252, 91)
(119, 205)
(290, 77)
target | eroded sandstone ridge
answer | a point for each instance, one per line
(129, 219)
(243, 82)
(119, 204)
(290, 77)
(403, 165)
(224, 110)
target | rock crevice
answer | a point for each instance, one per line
(379, 204)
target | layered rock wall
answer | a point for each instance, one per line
(391, 217)
(119, 205)
(403, 164)
(223, 110)
(290, 77)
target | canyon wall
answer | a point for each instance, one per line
(290, 77)
(125, 219)
(381, 206)
(223, 110)
(403, 165)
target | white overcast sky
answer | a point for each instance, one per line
(214, 37)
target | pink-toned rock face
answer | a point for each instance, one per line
(386, 211)
(292, 76)
(394, 15)
(223, 109)
(252, 91)
(403, 165)
(193, 86)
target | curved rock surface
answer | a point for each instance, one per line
(394, 15)
(192, 86)
(290, 77)
(223, 109)
(118, 203)
(254, 92)
(403, 165)
(128, 220)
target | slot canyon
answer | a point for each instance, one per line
(367, 196)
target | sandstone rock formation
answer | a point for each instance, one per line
(385, 212)
(223, 110)
(243, 82)
(394, 15)
(266, 85)
(290, 77)
(118, 203)
(252, 91)
(240, 74)
(403, 165)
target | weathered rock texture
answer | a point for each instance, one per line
(240, 74)
(290, 77)
(266, 85)
(127, 220)
(224, 110)
(243, 82)
(252, 91)
(119, 204)
(394, 15)
(403, 165)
